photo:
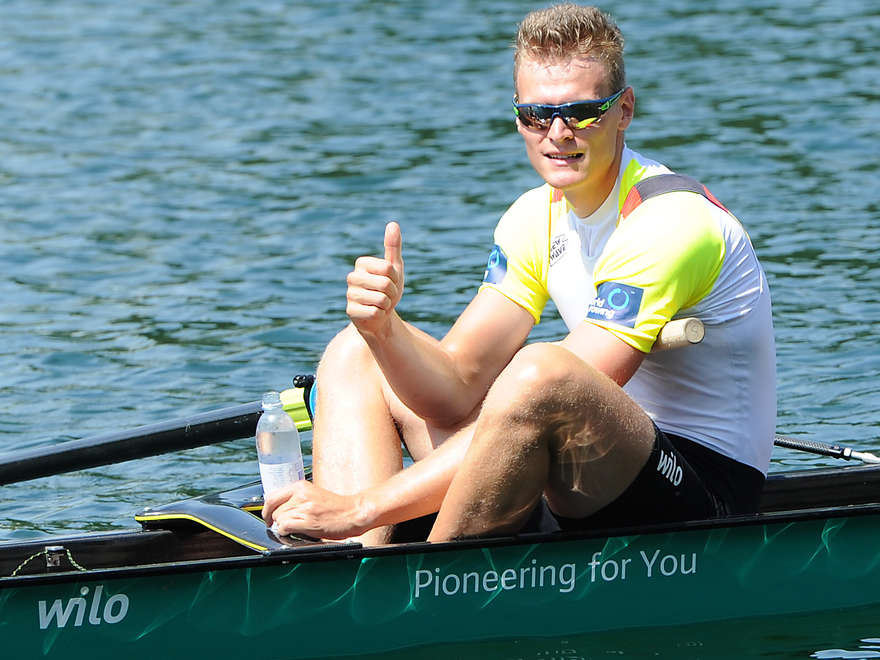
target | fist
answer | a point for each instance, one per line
(375, 286)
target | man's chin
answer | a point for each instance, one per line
(564, 180)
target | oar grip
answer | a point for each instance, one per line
(679, 333)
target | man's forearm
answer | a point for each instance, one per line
(423, 374)
(419, 489)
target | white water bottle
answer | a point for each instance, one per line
(278, 448)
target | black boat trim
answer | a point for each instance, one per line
(356, 552)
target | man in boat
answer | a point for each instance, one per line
(594, 429)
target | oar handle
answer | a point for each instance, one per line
(679, 333)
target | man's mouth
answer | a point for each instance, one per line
(566, 158)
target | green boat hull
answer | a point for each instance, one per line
(338, 601)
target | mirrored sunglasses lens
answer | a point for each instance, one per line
(578, 115)
(582, 115)
(535, 115)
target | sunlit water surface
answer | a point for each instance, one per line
(185, 186)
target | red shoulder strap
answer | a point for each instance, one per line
(664, 183)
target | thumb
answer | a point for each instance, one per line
(393, 241)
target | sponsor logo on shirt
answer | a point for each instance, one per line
(616, 302)
(557, 248)
(496, 267)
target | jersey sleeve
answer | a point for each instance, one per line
(517, 265)
(664, 257)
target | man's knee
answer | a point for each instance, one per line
(541, 369)
(347, 350)
(539, 376)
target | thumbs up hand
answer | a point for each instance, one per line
(375, 286)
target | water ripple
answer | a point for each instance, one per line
(185, 186)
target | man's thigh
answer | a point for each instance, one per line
(668, 488)
(419, 436)
(599, 451)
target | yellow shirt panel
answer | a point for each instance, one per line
(518, 263)
(664, 257)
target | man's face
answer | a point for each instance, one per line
(581, 162)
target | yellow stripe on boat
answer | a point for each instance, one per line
(295, 406)
(185, 516)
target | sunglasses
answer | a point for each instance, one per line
(577, 114)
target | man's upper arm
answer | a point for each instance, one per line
(664, 257)
(490, 330)
(604, 351)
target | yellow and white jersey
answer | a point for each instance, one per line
(674, 255)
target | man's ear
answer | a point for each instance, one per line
(627, 107)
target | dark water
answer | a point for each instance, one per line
(806, 636)
(184, 185)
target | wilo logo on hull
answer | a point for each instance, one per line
(113, 610)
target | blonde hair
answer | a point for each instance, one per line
(563, 32)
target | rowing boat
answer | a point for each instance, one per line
(206, 576)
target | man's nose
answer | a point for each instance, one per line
(559, 129)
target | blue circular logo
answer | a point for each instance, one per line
(618, 299)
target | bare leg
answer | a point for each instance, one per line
(552, 424)
(359, 423)
(356, 443)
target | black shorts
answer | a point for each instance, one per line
(682, 480)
